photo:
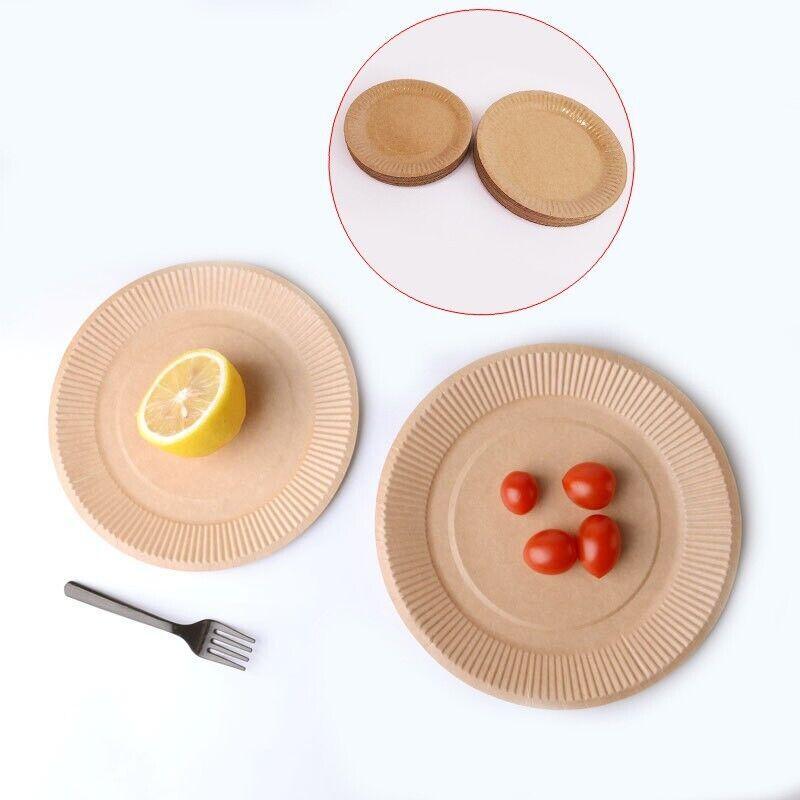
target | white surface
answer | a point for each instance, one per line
(140, 136)
(450, 243)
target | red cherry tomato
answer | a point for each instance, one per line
(599, 544)
(519, 492)
(551, 551)
(590, 485)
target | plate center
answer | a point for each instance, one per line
(549, 155)
(410, 125)
(477, 543)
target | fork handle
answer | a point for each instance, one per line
(77, 591)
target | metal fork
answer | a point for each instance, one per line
(207, 638)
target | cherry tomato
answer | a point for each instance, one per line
(599, 544)
(551, 551)
(590, 485)
(519, 492)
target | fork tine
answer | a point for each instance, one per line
(227, 650)
(220, 628)
(232, 642)
(220, 660)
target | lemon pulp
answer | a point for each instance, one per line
(195, 405)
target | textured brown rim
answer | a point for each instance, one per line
(436, 176)
(405, 171)
(562, 212)
(173, 543)
(694, 599)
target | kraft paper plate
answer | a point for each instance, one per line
(451, 554)
(549, 159)
(255, 494)
(407, 132)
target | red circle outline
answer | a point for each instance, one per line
(453, 310)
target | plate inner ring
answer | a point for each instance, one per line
(546, 154)
(249, 471)
(476, 544)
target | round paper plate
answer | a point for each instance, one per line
(548, 158)
(262, 489)
(407, 132)
(451, 554)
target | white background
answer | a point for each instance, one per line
(139, 135)
(450, 243)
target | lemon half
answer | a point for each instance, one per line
(195, 406)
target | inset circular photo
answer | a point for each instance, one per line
(481, 161)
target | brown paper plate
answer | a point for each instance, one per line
(255, 494)
(407, 132)
(549, 159)
(451, 554)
